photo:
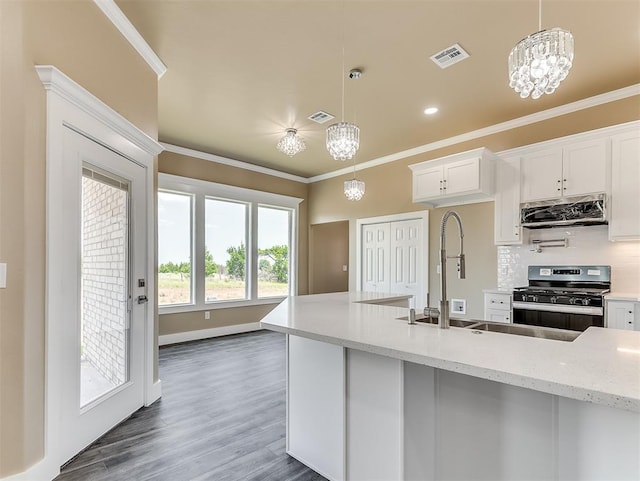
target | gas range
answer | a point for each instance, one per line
(569, 297)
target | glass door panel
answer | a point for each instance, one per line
(104, 325)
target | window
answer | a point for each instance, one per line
(220, 245)
(174, 249)
(273, 251)
(225, 250)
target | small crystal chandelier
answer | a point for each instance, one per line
(291, 143)
(343, 138)
(539, 62)
(354, 188)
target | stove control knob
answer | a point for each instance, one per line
(532, 298)
(586, 302)
(553, 299)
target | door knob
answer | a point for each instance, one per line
(142, 299)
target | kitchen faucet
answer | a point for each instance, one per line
(444, 303)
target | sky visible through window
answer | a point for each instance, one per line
(224, 228)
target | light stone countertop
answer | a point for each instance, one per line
(622, 296)
(601, 366)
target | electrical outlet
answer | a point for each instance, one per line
(207, 315)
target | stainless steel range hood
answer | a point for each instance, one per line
(580, 210)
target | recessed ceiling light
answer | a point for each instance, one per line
(430, 110)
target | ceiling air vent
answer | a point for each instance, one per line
(449, 56)
(321, 117)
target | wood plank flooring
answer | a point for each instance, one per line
(221, 417)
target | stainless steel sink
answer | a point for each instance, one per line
(434, 321)
(517, 329)
(531, 331)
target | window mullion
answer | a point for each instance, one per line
(252, 251)
(198, 250)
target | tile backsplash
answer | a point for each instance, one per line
(587, 245)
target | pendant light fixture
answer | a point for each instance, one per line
(354, 188)
(539, 62)
(343, 138)
(291, 144)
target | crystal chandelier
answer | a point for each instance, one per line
(343, 138)
(354, 188)
(539, 62)
(291, 143)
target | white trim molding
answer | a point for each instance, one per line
(129, 32)
(176, 149)
(178, 337)
(601, 99)
(56, 81)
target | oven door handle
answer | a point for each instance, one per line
(532, 306)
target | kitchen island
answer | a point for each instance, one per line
(371, 397)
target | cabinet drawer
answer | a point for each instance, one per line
(498, 301)
(497, 315)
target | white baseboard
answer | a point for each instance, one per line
(43, 470)
(207, 333)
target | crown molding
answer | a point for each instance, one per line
(129, 32)
(56, 81)
(612, 96)
(176, 149)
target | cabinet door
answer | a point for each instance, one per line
(315, 405)
(621, 315)
(541, 175)
(427, 183)
(375, 257)
(585, 168)
(507, 229)
(405, 249)
(462, 176)
(624, 201)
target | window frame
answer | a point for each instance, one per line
(201, 190)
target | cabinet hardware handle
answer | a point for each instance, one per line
(630, 312)
(558, 181)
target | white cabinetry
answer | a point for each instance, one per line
(457, 179)
(576, 169)
(623, 315)
(624, 202)
(316, 406)
(497, 307)
(507, 228)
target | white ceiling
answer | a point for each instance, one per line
(241, 72)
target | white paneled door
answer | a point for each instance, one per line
(405, 250)
(102, 345)
(375, 252)
(393, 256)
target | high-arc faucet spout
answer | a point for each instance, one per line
(444, 302)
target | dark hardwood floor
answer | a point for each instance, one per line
(221, 417)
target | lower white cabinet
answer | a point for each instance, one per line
(623, 315)
(315, 405)
(497, 307)
(357, 416)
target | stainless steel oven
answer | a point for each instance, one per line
(565, 297)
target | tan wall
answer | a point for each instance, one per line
(79, 40)
(328, 252)
(186, 166)
(389, 192)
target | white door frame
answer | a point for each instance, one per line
(70, 105)
(423, 216)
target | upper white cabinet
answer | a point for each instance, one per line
(457, 179)
(576, 169)
(507, 228)
(624, 202)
